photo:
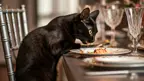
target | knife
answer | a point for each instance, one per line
(114, 72)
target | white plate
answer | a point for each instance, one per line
(116, 61)
(110, 51)
(120, 59)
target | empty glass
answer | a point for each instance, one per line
(113, 17)
(134, 18)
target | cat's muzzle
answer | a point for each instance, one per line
(89, 41)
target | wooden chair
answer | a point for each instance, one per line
(13, 24)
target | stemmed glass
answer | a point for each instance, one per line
(134, 18)
(112, 17)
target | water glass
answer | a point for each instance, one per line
(134, 18)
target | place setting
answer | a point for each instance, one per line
(115, 61)
(109, 57)
(100, 51)
(113, 65)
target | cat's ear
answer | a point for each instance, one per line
(94, 14)
(85, 14)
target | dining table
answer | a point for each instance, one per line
(77, 70)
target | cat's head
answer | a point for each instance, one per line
(85, 25)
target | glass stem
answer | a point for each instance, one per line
(113, 35)
(135, 45)
(103, 31)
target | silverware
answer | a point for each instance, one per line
(114, 72)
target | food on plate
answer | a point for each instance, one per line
(96, 51)
(81, 51)
(100, 51)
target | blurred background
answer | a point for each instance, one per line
(40, 12)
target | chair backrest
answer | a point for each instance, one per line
(13, 29)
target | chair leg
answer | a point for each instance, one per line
(6, 46)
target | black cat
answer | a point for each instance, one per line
(41, 49)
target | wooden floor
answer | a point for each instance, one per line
(3, 73)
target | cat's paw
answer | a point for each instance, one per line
(76, 46)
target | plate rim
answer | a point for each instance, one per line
(118, 65)
(110, 62)
(114, 65)
(92, 54)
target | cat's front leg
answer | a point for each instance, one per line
(73, 46)
(68, 46)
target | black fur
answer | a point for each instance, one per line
(41, 49)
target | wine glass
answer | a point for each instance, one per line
(134, 18)
(100, 36)
(113, 17)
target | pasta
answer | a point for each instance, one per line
(96, 51)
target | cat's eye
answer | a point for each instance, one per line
(90, 32)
